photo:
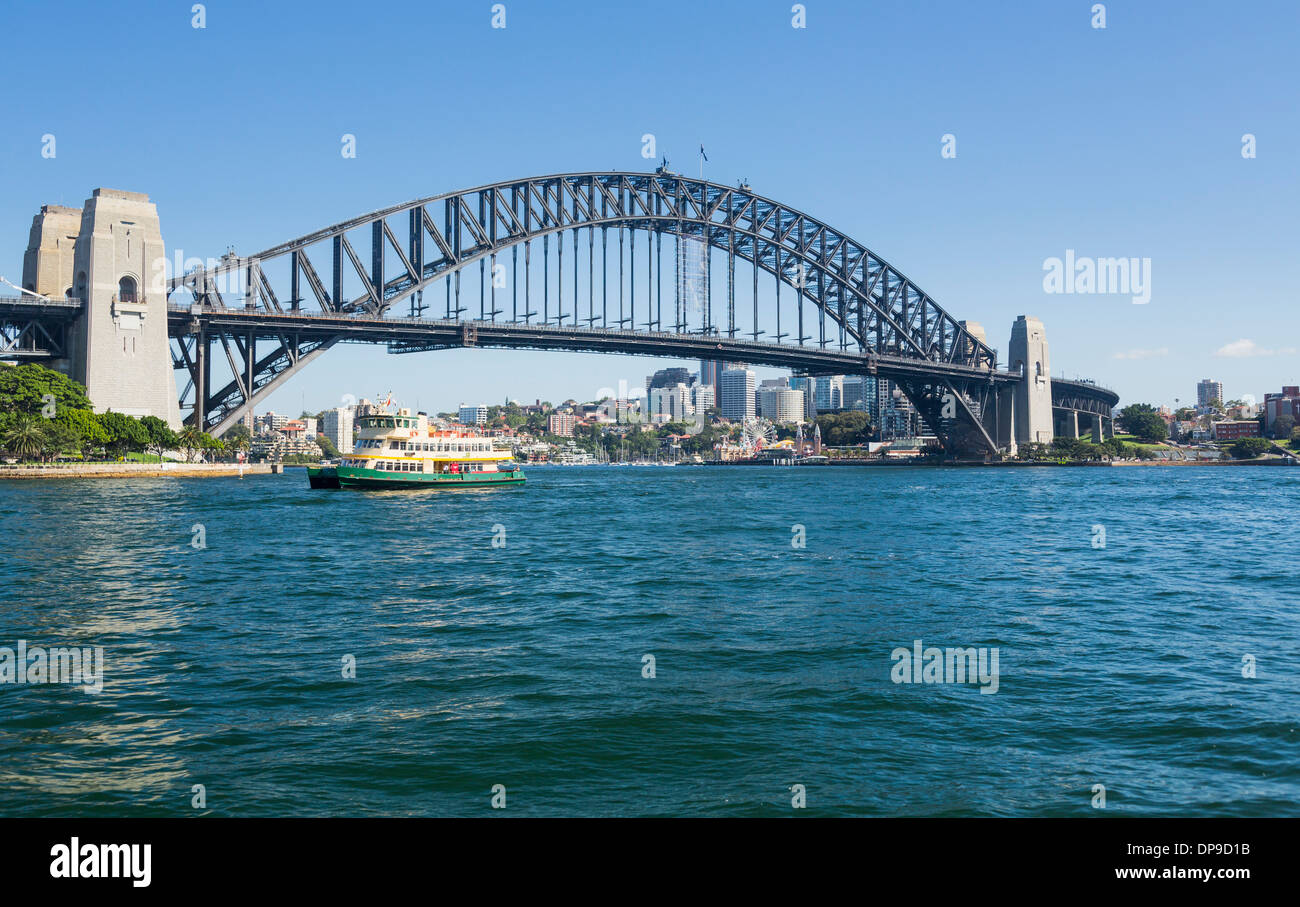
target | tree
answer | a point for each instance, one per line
(209, 444)
(87, 427)
(1074, 449)
(1249, 448)
(1033, 450)
(1283, 425)
(31, 388)
(1295, 439)
(1143, 422)
(191, 440)
(158, 435)
(843, 429)
(1118, 449)
(123, 433)
(59, 439)
(25, 436)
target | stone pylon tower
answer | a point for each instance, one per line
(48, 262)
(115, 262)
(1033, 397)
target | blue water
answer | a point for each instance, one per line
(522, 665)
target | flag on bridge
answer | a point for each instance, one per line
(702, 154)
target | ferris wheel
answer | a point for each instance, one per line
(757, 434)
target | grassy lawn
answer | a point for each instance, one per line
(1130, 439)
(143, 458)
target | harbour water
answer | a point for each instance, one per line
(500, 638)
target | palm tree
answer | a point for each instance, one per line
(25, 437)
(191, 439)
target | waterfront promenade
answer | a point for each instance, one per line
(132, 470)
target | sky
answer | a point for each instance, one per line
(1063, 139)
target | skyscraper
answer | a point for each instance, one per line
(736, 394)
(859, 393)
(829, 393)
(808, 387)
(669, 377)
(780, 403)
(709, 372)
(1208, 389)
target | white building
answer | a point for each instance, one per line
(736, 386)
(806, 386)
(781, 404)
(336, 424)
(671, 404)
(703, 398)
(473, 415)
(272, 421)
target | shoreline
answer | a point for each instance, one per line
(136, 470)
(1011, 464)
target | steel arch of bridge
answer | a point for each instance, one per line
(875, 310)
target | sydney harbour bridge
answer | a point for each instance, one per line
(657, 264)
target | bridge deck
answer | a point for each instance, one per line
(419, 334)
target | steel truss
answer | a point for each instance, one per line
(34, 329)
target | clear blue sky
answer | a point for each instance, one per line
(1117, 142)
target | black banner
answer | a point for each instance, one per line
(151, 856)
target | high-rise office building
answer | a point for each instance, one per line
(829, 393)
(807, 386)
(780, 403)
(703, 397)
(669, 377)
(709, 371)
(736, 394)
(671, 404)
(859, 392)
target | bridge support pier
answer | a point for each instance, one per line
(1071, 424)
(1006, 420)
(1028, 355)
(202, 377)
(1098, 430)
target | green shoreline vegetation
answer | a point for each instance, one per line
(46, 416)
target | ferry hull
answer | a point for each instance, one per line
(355, 477)
(322, 477)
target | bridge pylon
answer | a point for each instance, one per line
(110, 255)
(1027, 355)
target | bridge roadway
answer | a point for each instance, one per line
(29, 335)
(409, 335)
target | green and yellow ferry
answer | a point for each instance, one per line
(401, 450)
